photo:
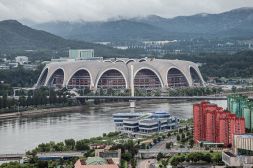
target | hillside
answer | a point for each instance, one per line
(236, 23)
(240, 20)
(102, 31)
(16, 37)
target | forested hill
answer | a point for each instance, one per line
(16, 37)
(222, 65)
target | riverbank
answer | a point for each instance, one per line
(19, 134)
(41, 111)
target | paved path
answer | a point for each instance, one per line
(147, 163)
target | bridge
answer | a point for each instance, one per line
(132, 99)
(153, 97)
(43, 155)
(59, 155)
(5, 157)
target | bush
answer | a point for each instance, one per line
(82, 145)
(169, 145)
(178, 138)
(70, 143)
(159, 156)
(126, 156)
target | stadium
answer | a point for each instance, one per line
(148, 74)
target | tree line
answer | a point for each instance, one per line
(220, 64)
(36, 98)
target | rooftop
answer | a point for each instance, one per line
(95, 162)
(128, 114)
(246, 135)
(148, 121)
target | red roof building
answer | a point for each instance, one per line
(213, 124)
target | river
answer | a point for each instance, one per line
(18, 135)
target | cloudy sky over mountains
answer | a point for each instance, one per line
(97, 10)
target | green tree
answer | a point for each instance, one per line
(44, 147)
(169, 145)
(155, 141)
(183, 136)
(1, 103)
(59, 146)
(42, 164)
(126, 156)
(178, 138)
(22, 101)
(217, 158)
(234, 89)
(191, 142)
(174, 161)
(81, 145)
(70, 143)
(143, 146)
(159, 156)
(29, 101)
(207, 158)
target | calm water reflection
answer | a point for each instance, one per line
(21, 134)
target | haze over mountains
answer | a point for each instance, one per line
(237, 23)
(15, 37)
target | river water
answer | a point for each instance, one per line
(18, 135)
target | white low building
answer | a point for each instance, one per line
(21, 60)
(145, 123)
(148, 73)
(242, 153)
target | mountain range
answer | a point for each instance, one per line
(236, 24)
(16, 37)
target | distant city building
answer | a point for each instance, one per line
(213, 124)
(13, 64)
(103, 42)
(145, 123)
(149, 74)
(95, 162)
(159, 43)
(4, 67)
(242, 152)
(121, 47)
(21, 60)
(62, 59)
(30, 66)
(4, 60)
(242, 107)
(81, 54)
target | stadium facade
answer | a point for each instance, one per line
(116, 74)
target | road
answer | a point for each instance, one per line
(147, 163)
(162, 145)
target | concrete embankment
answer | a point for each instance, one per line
(39, 111)
(78, 108)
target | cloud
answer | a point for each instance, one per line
(97, 10)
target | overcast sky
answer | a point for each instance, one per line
(94, 10)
